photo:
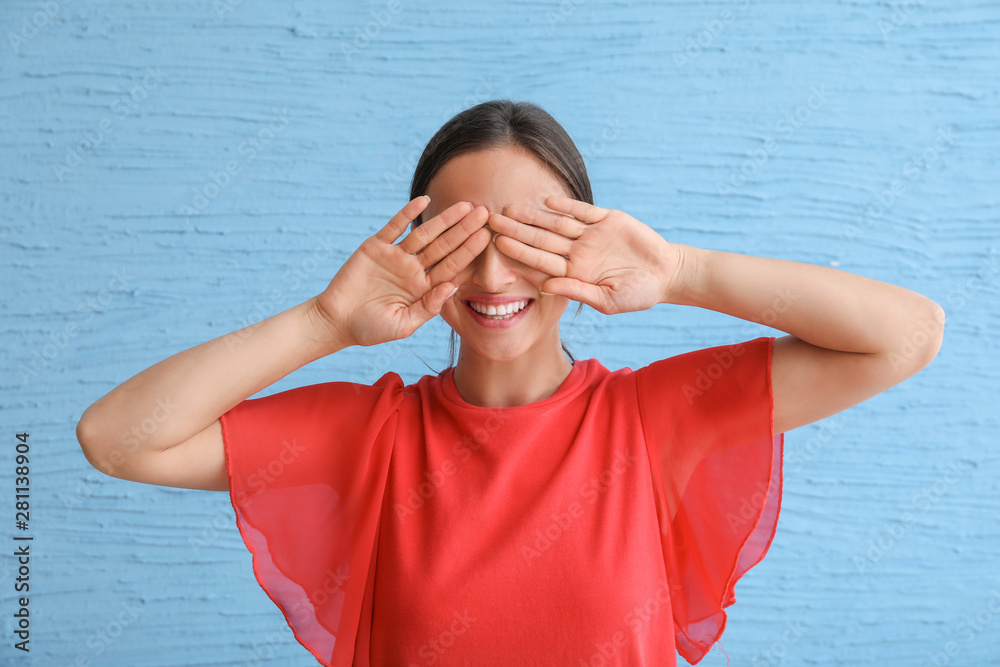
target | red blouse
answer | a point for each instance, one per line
(604, 525)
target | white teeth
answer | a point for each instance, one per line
(504, 309)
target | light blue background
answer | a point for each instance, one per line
(821, 105)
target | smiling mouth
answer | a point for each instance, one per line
(498, 317)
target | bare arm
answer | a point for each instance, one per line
(162, 426)
(851, 337)
(180, 399)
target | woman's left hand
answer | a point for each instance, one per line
(602, 257)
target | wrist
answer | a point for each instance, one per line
(686, 282)
(320, 330)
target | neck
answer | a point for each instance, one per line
(504, 384)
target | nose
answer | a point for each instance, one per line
(492, 270)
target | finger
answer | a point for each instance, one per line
(578, 290)
(461, 257)
(397, 224)
(578, 209)
(419, 238)
(454, 237)
(430, 304)
(542, 229)
(543, 260)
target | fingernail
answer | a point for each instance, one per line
(549, 293)
(451, 294)
(426, 196)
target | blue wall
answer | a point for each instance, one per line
(766, 128)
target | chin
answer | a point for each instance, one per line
(494, 352)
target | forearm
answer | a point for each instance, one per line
(822, 306)
(178, 397)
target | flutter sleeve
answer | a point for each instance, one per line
(708, 420)
(307, 471)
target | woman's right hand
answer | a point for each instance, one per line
(385, 292)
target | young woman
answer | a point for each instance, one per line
(521, 506)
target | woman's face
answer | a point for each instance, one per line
(496, 178)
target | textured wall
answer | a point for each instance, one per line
(768, 128)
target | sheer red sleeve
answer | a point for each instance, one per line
(307, 470)
(717, 472)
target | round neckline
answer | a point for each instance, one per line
(575, 378)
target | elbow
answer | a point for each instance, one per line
(84, 433)
(86, 436)
(937, 313)
(931, 324)
(921, 341)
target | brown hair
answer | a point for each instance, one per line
(500, 123)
